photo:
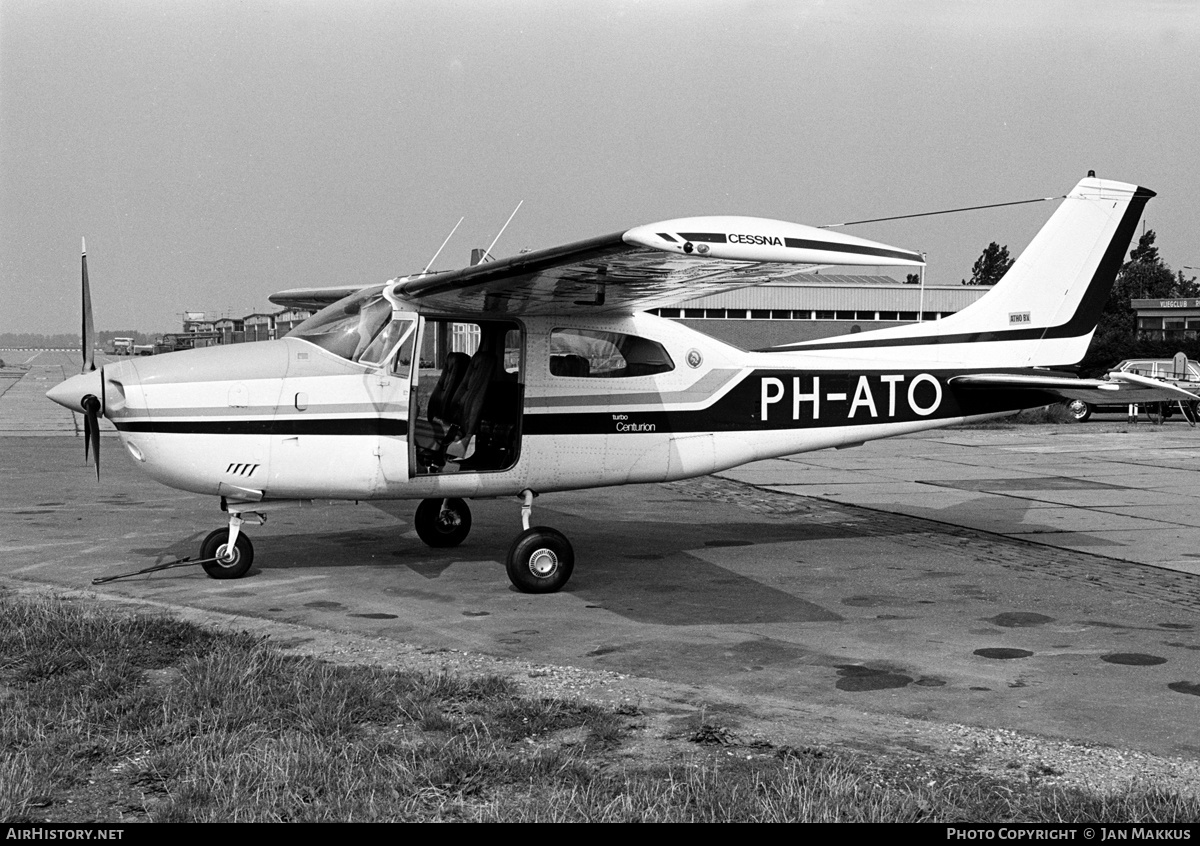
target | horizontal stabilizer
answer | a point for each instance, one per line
(1117, 389)
(1169, 391)
(1030, 382)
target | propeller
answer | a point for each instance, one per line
(89, 326)
(92, 405)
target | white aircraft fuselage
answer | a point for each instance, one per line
(331, 428)
(542, 372)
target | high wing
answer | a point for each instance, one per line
(637, 269)
(1118, 388)
(314, 298)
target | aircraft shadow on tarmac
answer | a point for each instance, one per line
(652, 581)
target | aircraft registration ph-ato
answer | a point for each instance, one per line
(542, 372)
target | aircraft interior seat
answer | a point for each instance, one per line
(464, 408)
(447, 384)
(569, 365)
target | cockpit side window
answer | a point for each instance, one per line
(348, 327)
(585, 353)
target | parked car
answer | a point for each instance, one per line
(1155, 368)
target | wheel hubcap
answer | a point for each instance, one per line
(227, 556)
(543, 562)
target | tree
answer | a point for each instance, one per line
(990, 266)
(1144, 277)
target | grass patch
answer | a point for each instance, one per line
(108, 716)
(1054, 414)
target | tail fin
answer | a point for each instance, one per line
(1044, 310)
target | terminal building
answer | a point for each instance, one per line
(1168, 320)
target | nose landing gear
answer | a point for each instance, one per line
(227, 553)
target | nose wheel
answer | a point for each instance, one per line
(228, 562)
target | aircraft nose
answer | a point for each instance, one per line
(70, 393)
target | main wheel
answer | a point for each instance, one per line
(1078, 411)
(228, 565)
(440, 527)
(540, 560)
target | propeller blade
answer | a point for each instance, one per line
(91, 430)
(87, 436)
(89, 327)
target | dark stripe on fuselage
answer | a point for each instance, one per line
(763, 400)
(801, 400)
(1081, 323)
(857, 249)
(379, 426)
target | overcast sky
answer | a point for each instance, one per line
(215, 152)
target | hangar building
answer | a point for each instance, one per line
(811, 305)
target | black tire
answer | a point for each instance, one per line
(1078, 411)
(440, 528)
(540, 560)
(214, 547)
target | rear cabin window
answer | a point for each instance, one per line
(584, 353)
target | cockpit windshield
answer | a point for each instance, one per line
(348, 327)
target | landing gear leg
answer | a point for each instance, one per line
(540, 559)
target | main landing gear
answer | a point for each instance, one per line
(540, 559)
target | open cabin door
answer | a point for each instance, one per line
(392, 355)
(468, 393)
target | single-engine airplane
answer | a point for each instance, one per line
(542, 372)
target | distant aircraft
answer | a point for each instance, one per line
(541, 373)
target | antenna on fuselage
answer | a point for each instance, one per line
(444, 243)
(487, 254)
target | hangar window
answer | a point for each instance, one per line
(584, 353)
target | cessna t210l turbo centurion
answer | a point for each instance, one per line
(541, 372)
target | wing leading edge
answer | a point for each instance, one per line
(637, 269)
